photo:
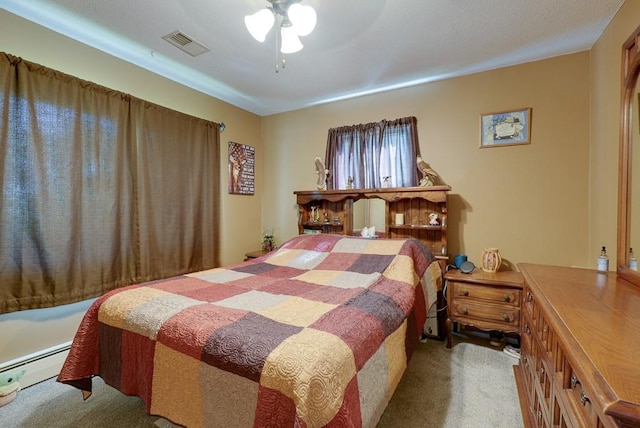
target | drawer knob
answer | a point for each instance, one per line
(574, 381)
(465, 292)
(506, 298)
(505, 317)
(527, 329)
(583, 398)
(529, 296)
(465, 311)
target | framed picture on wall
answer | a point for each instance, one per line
(241, 169)
(505, 128)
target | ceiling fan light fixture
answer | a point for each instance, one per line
(290, 41)
(303, 18)
(260, 23)
(293, 21)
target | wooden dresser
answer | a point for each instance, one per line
(580, 355)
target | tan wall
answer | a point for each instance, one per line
(606, 60)
(22, 333)
(529, 201)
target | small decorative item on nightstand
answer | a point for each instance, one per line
(268, 240)
(490, 260)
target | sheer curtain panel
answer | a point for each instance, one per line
(373, 153)
(99, 189)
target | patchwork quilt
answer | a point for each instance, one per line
(317, 333)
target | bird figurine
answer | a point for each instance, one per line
(429, 176)
(322, 174)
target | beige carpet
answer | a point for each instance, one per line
(470, 385)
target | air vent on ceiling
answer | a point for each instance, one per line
(185, 43)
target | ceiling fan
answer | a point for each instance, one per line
(294, 20)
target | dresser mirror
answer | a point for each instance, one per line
(629, 168)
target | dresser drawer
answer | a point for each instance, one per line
(508, 296)
(579, 399)
(543, 383)
(528, 363)
(505, 315)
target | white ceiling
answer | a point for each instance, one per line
(358, 46)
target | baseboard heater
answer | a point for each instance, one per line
(39, 366)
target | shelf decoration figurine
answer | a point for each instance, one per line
(368, 232)
(350, 182)
(322, 173)
(433, 219)
(490, 260)
(385, 181)
(429, 176)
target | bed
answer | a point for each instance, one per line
(316, 333)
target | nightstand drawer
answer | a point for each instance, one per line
(503, 295)
(503, 314)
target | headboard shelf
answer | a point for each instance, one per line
(423, 211)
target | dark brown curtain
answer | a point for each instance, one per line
(99, 189)
(372, 153)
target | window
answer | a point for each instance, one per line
(373, 155)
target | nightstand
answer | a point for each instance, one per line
(254, 254)
(487, 301)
